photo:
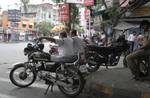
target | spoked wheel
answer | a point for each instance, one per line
(92, 64)
(22, 76)
(124, 59)
(74, 80)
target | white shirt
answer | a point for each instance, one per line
(78, 44)
(65, 46)
(131, 37)
(103, 36)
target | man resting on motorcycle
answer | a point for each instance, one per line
(65, 48)
(139, 53)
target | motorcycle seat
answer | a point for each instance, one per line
(64, 59)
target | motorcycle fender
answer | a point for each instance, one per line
(15, 64)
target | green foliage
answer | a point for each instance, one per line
(44, 28)
(56, 1)
(74, 15)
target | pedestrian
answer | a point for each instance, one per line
(103, 39)
(131, 40)
(140, 39)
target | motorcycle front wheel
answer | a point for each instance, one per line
(22, 76)
(74, 78)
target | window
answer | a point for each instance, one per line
(30, 26)
(24, 25)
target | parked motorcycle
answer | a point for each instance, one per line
(105, 56)
(53, 49)
(63, 74)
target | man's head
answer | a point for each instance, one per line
(74, 33)
(134, 32)
(145, 25)
(63, 34)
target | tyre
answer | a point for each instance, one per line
(124, 59)
(75, 79)
(22, 76)
(92, 59)
(125, 62)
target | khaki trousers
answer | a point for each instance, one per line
(132, 60)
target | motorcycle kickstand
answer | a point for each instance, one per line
(107, 67)
(47, 89)
(52, 85)
(52, 88)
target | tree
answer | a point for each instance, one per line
(115, 13)
(25, 4)
(74, 15)
(44, 28)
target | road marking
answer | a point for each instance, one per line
(7, 96)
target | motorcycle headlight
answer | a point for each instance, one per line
(25, 51)
(28, 49)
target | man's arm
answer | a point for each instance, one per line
(146, 46)
(48, 38)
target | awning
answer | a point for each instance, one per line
(136, 18)
(125, 25)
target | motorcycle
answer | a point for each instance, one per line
(53, 49)
(105, 56)
(39, 65)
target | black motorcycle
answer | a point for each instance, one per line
(106, 56)
(63, 74)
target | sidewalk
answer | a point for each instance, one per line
(115, 83)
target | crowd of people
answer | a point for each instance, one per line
(97, 39)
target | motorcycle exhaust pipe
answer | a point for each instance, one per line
(58, 82)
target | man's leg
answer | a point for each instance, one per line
(132, 61)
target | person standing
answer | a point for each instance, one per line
(131, 40)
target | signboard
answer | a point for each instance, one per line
(142, 11)
(14, 15)
(86, 14)
(124, 3)
(88, 2)
(75, 1)
(64, 12)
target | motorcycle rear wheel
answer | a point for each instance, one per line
(92, 64)
(23, 75)
(77, 83)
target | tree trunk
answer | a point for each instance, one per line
(104, 2)
(69, 23)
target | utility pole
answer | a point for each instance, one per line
(69, 22)
(25, 3)
(90, 23)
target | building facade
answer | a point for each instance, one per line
(41, 12)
